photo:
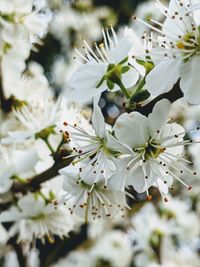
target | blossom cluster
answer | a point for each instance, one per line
(64, 164)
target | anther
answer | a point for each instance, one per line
(166, 199)
(149, 198)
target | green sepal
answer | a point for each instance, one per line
(147, 65)
(110, 67)
(125, 69)
(123, 61)
(101, 81)
(110, 84)
(44, 133)
(139, 96)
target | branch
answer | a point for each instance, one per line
(172, 96)
(5, 104)
(19, 251)
(34, 183)
(2, 96)
(51, 253)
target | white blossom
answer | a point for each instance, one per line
(176, 56)
(15, 164)
(40, 221)
(153, 150)
(104, 67)
(89, 199)
(99, 146)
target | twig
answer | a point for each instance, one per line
(61, 248)
(34, 183)
(5, 104)
(172, 96)
(18, 249)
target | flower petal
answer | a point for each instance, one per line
(131, 129)
(84, 81)
(190, 80)
(98, 121)
(159, 116)
(163, 77)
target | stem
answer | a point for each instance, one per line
(2, 96)
(123, 88)
(141, 85)
(34, 183)
(19, 251)
(48, 144)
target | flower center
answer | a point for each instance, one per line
(189, 44)
(151, 151)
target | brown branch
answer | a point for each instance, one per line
(19, 252)
(172, 96)
(34, 183)
(5, 104)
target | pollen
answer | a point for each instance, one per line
(180, 45)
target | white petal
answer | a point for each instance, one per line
(26, 163)
(82, 85)
(130, 78)
(31, 205)
(17, 137)
(98, 121)
(6, 173)
(163, 77)
(88, 76)
(13, 214)
(170, 130)
(190, 80)
(121, 51)
(119, 179)
(132, 129)
(115, 145)
(159, 116)
(137, 180)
